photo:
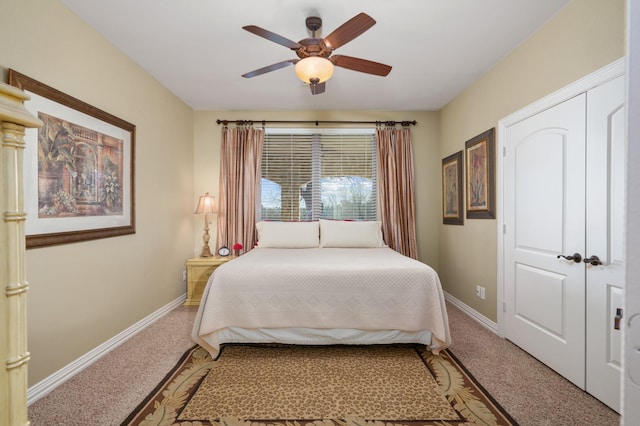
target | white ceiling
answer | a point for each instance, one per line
(198, 49)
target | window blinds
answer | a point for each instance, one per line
(308, 175)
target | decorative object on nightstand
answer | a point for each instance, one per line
(224, 251)
(236, 249)
(206, 206)
(199, 269)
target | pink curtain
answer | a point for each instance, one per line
(396, 190)
(240, 159)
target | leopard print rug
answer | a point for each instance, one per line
(321, 385)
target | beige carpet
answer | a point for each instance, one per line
(336, 385)
(107, 391)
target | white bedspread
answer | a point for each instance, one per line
(325, 288)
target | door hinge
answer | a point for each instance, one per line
(504, 306)
(504, 151)
(504, 229)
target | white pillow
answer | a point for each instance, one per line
(288, 234)
(338, 233)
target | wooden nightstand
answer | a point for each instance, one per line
(199, 269)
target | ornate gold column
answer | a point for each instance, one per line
(14, 118)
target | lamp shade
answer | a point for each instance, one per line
(206, 205)
(314, 67)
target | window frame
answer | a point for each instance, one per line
(310, 132)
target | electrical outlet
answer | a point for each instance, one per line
(184, 276)
(480, 292)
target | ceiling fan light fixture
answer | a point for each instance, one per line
(314, 67)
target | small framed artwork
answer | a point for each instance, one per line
(452, 205)
(78, 169)
(480, 174)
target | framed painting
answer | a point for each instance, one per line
(79, 169)
(452, 205)
(480, 174)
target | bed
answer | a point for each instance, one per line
(321, 283)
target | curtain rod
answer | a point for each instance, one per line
(316, 122)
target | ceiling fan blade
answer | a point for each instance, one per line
(272, 36)
(317, 88)
(361, 65)
(349, 30)
(270, 68)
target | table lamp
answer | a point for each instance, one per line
(206, 205)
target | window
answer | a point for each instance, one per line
(311, 174)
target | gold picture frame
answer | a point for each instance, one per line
(480, 176)
(452, 203)
(79, 169)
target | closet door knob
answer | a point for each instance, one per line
(594, 260)
(576, 257)
(617, 319)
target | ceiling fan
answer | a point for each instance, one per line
(315, 62)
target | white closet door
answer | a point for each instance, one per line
(605, 197)
(544, 218)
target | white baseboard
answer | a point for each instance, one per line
(477, 316)
(45, 386)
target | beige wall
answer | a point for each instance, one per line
(83, 294)
(583, 37)
(207, 136)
